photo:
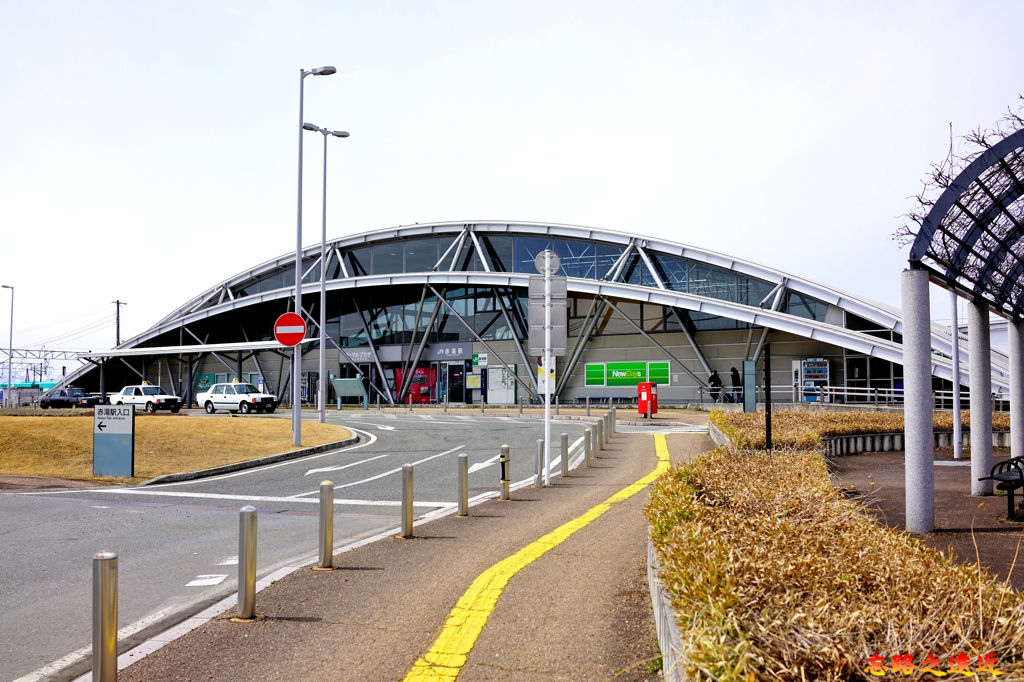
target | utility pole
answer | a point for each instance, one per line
(117, 318)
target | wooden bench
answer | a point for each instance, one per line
(1010, 474)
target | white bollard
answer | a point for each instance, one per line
(506, 471)
(463, 475)
(540, 463)
(104, 617)
(407, 500)
(247, 563)
(565, 454)
(326, 524)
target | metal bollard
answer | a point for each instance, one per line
(614, 417)
(565, 454)
(506, 471)
(600, 437)
(247, 563)
(556, 404)
(326, 524)
(540, 463)
(446, 403)
(104, 616)
(463, 472)
(482, 405)
(406, 500)
(587, 444)
(588, 405)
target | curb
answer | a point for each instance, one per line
(238, 466)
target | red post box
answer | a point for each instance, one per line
(647, 397)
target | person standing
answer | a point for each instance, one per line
(715, 385)
(737, 385)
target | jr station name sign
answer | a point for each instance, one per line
(113, 441)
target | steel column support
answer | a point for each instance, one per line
(472, 331)
(779, 290)
(373, 351)
(660, 347)
(479, 252)
(499, 299)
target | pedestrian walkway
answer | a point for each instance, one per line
(553, 581)
(960, 522)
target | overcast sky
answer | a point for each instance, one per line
(150, 150)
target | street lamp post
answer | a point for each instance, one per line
(9, 394)
(297, 357)
(322, 388)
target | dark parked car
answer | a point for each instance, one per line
(68, 397)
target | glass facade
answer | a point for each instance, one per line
(516, 253)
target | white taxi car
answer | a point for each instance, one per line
(147, 396)
(236, 397)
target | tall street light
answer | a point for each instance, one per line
(322, 389)
(9, 394)
(297, 357)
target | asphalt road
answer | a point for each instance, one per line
(177, 543)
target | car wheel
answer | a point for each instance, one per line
(119, 402)
(210, 409)
(176, 409)
(244, 407)
(151, 407)
(270, 409)
(44, 406)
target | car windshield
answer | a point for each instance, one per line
(76, 392)
(152, 390)
(245, 388)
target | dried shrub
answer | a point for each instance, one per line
(774, 575)
(807, 429)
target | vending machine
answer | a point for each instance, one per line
(809, 376)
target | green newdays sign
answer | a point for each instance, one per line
(625, 373)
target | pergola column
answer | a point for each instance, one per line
(919, 471)
(979, 342)
(1016, 340)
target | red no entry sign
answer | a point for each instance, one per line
(289, 329)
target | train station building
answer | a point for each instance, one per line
(433, 313)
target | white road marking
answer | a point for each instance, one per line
(257, 498)
(48, 672)
(230, 561)
(343, 466)
(482, 465)
(395, 471)
(207, 580)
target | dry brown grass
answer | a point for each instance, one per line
(805, 429)
(775, 576)
(61, 446)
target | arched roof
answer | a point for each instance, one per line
(660, 284)
(972, 239)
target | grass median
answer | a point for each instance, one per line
(60, 446)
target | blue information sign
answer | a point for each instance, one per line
(113, 441)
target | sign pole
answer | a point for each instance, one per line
(547, 367)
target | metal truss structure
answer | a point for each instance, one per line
(419, 284)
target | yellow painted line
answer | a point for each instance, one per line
(466, 621)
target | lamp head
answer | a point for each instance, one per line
(310, 126)
(324, 71)
(339, 133)
(7, 286)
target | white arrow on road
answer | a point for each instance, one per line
(344, 466)
(482, 465)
